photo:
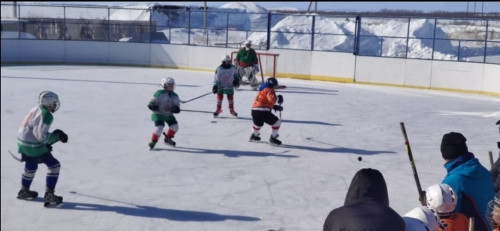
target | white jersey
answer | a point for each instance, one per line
(224, 77)
(33, 133)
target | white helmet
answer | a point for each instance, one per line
(424, 215)
(248, 42)
(226, 58)
(50, 100)
(441, 198)
(166, 82)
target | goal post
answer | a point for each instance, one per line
(268, 63)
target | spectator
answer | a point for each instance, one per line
(366, 206)
(468, 178)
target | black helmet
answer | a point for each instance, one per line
(272, 82)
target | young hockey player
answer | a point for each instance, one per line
(261, 111)
(164, 104)
(34, 142)
(493, 212)
(225, 80)
(247, 63)
(421, 219)
(442, 199)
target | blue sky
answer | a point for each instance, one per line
(426, 6)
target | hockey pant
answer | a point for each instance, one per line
(249, 74)
(159, 125)
(31, 167)
(261, 117)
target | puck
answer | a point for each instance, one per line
(360, 158)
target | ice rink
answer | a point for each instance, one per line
(215, 179)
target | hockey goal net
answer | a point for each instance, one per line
(267, 64)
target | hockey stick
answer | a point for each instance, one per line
(280, 111)
(491, 158)
(196, 97)
(20, 159)
(415, 175)
(471, 223)
(15, 157)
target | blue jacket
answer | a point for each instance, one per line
(468, 177)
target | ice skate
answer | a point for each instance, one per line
(233, 113)
(169, 141)
(51, 200)
(26, 194)
(274, 141)
(254, 138)
(151, 145)
(217, 112)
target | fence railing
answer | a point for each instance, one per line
(452, 39)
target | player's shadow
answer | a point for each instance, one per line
(337, 150)
(235, 153)
(155, 212)
(308, 90)
(250, 119)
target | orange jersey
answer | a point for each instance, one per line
(457, 222)
(266, 98)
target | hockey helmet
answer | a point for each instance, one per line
(248, 43)
(168, 83)
(50, 100)
(272, 82)
(226, 58)
(496, 199)
(425, 215)
(441, 198)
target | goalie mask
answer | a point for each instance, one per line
(50, 100)
(168, 83)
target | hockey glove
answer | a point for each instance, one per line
(280, 99)
(277, 108)
(49, 146)
(255, 68)
(236, 83)
(214, 89)
(62, 136)
(176, 109)
(153, 107)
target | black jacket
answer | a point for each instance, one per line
(366, 206)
